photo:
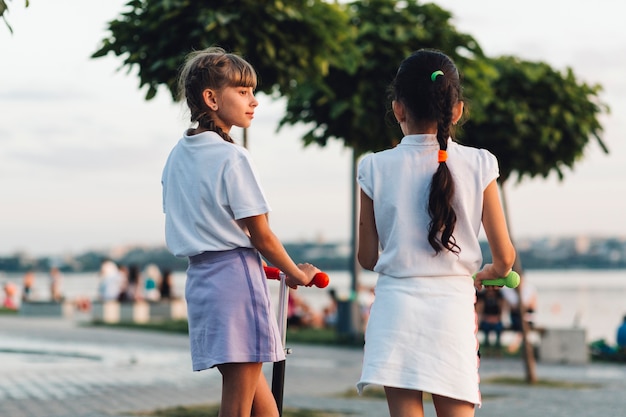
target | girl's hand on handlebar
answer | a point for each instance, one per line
(488, 272)
(309, 272)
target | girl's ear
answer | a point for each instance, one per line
(210, 99)
(457, 112)
(398, 111)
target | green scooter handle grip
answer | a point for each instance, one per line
(511, 280)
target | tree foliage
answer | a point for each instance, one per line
(538, 119)
(4, 7)
(286, 41)
(353, 105)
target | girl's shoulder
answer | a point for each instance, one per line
(471, 152)
(238, 154)
(380, 155)
(467, 159)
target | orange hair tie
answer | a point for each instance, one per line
(442, 156)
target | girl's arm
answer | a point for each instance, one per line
(268, 245)
(494, 224)
(368, 235)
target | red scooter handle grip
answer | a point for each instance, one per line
(320, 280)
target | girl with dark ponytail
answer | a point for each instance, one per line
(422, 207)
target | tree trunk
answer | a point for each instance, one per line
(527, 353)
(355, 268)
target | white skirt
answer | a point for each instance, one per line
(421, 335)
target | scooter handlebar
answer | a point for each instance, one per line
(511, 280)
(320, 280)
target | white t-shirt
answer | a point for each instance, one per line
(398, 181)
(209, 185)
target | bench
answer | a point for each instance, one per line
(509, 335)
(138, 311)
(551, 345)
(175, 309)
(564, 345)
(46, 309)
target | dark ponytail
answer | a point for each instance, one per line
(428, 84)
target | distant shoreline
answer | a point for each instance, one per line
(539, 253)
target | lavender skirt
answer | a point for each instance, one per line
(229, 310)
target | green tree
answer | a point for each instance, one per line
(286, 41)
(352, 105)
(296, 40)
(538, 121)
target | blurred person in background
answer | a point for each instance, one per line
(529, 306)
(28, 285)
(56, 282)
(10, 291)
(131, 290)
(489, 308)
(166, 288)
(152, 281)
(110, 281)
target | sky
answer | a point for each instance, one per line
(81, 150)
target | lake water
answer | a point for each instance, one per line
(590, 299)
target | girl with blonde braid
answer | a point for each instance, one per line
(216, 215)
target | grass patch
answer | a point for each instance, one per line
(327, 336)
(498, 352)
(168, 326)
(311, 336)
(376, 393)
(295, 335)
(543, 383)
(372, 392)
(7, 311)
(213, 409)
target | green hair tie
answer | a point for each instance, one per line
(434, 75)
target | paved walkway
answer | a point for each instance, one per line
(61, 368)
